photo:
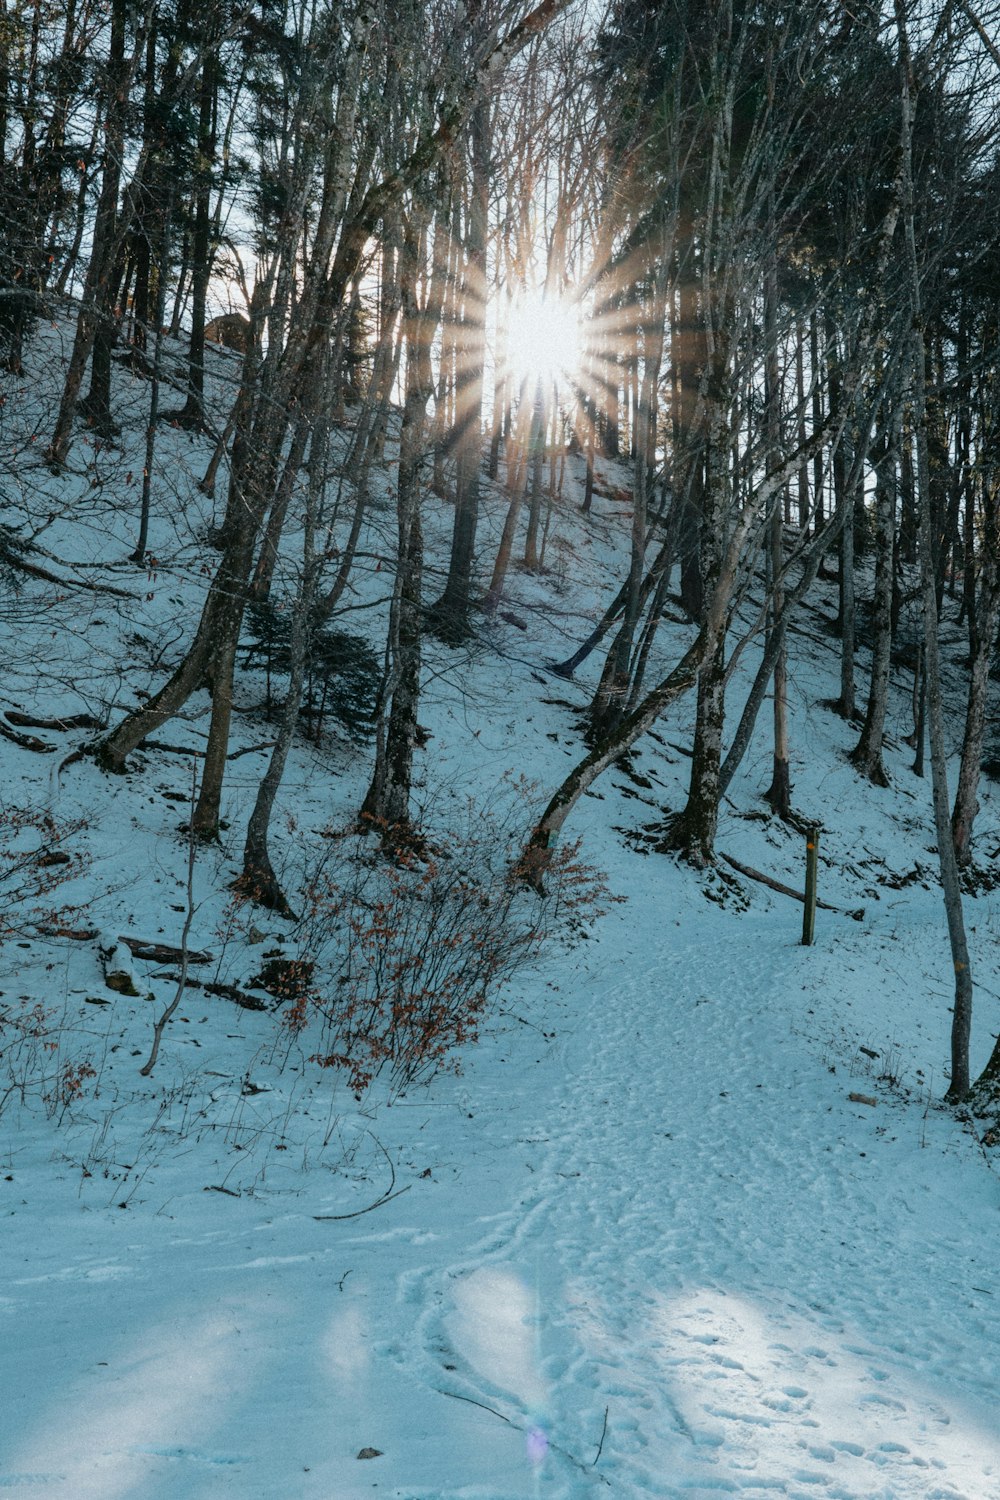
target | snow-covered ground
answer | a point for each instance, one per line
(645, 1244)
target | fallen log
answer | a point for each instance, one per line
(163, 953)
(117, 960)
(231, 992)
(238, 996)
(787, 890)
(155, 952)
(24, 741)
(63, 721)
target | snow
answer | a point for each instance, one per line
(644, 1244)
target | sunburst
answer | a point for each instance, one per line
(544, 340)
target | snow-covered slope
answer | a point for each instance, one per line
(645, 1244)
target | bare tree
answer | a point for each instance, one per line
(958, 1086)
(387, 802)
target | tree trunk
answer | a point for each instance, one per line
(517, 473)
(867, 754)
(163, 253)
(192, 414)
(450, 615)
(986, 608)
(844, 496)
(800, 403)
(267, 560)
(693, 831)
(258, 879)
(779, 793)
(108, 236)
(613, 692)
(689, 359)
(536, 466)
(679, 679)
(817, 419)
(958, 1087)
(387, 801)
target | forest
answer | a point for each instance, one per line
(485, 486)
(748, 250)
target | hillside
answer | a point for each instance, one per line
(690, 1219)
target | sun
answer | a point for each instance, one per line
(543, 340)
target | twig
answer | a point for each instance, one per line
(553, 1447)
(600, 1445)
(227, 991)
(161, 1024)
(188, 750)
(34, 570)
(386, 1198)
(67, 760)
(162, 952)
(170, 749)
(251, 749)
(456, 1397)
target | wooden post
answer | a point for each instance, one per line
(812, 866)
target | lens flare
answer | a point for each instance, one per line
(537, 1445)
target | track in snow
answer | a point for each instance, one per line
(658, 1266)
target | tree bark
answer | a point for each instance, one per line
(779, 793)
(192, 414)
(450, 615)
(958, 1087)
(108, 236)
(615, 686)
(987, 610)
(387, 801)
(258, 879)
(867, 754)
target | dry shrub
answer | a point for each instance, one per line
(34, 863)
(29, 1038)
(34, 1064)
(412, 950)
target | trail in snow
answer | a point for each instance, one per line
(662, 1255)
(705, 1254)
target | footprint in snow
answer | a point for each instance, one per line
(191, 1455)
(12, 1481)
(875, 1398)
